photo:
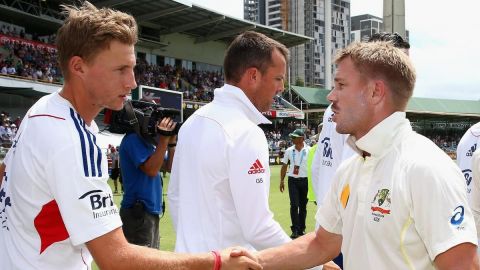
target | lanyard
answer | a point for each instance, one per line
(301, 157)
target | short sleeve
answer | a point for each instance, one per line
(328, 215)
(439, 205)
(286, 156)
(85, 201)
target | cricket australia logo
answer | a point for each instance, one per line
(381, 204)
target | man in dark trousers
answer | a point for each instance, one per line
(295, 160)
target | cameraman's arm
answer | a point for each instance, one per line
(172, 142)
(153, 164)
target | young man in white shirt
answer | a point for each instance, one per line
(220, 180)
(56, 208)
(400, 203)
(295, 161)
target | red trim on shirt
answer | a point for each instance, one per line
(46, 115)
(50, 226)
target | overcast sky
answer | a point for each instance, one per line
(445, 45)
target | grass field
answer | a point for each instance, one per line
(279, 204)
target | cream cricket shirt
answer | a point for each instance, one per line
(400, 207)
(466, 147)
(219, 186)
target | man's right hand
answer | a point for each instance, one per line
(282, 185)
(239, 258)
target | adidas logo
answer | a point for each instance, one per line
(472, 150)
(256, 168)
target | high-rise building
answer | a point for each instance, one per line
(254, 10)
(364, 26)
(307, 17)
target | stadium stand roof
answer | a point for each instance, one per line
(156, 18)
(417, 105)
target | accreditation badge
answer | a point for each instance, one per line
(296, 169)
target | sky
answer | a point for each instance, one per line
(445, 45)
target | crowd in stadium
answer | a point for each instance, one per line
(8, 128)
(39, 63)
(26, 60)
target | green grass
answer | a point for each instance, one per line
(279, 204)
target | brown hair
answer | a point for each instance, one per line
(381, 60)
(88, 30)
(250, 49)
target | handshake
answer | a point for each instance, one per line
(236, 258)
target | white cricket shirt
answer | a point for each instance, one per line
(465, 149)
(400, 207)
(55, 195)
(475, 194)
(219, 186)
(331, 152)
(296, 158)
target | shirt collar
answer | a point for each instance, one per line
(381, 137)
(229, 94)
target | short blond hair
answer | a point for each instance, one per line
(88, 30)
(381, 60)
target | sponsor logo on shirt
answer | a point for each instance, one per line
(381, 204)
(327, 149)
(471, 150)
(457, 217)
(257, 167)
(101, 203)
(467, 173)
(330, 118)
(345, 196)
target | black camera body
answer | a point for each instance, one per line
(142, 117)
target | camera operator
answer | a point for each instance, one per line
(142, 200)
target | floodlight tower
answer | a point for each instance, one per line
(394, 16)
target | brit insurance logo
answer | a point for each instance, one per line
(457, 217)
(380, 205)
(101, 203)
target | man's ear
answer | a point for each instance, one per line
(252, 75)
(378, 92)
(76, 66)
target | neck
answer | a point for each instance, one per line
(299, 146)
(79, 102)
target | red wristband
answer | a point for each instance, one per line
(218, 260)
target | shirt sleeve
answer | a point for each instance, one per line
(328, 214)
(475, 195)
(250, 190)
(173, 188)
(439, 205)
(286, 156)
(84, 199)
